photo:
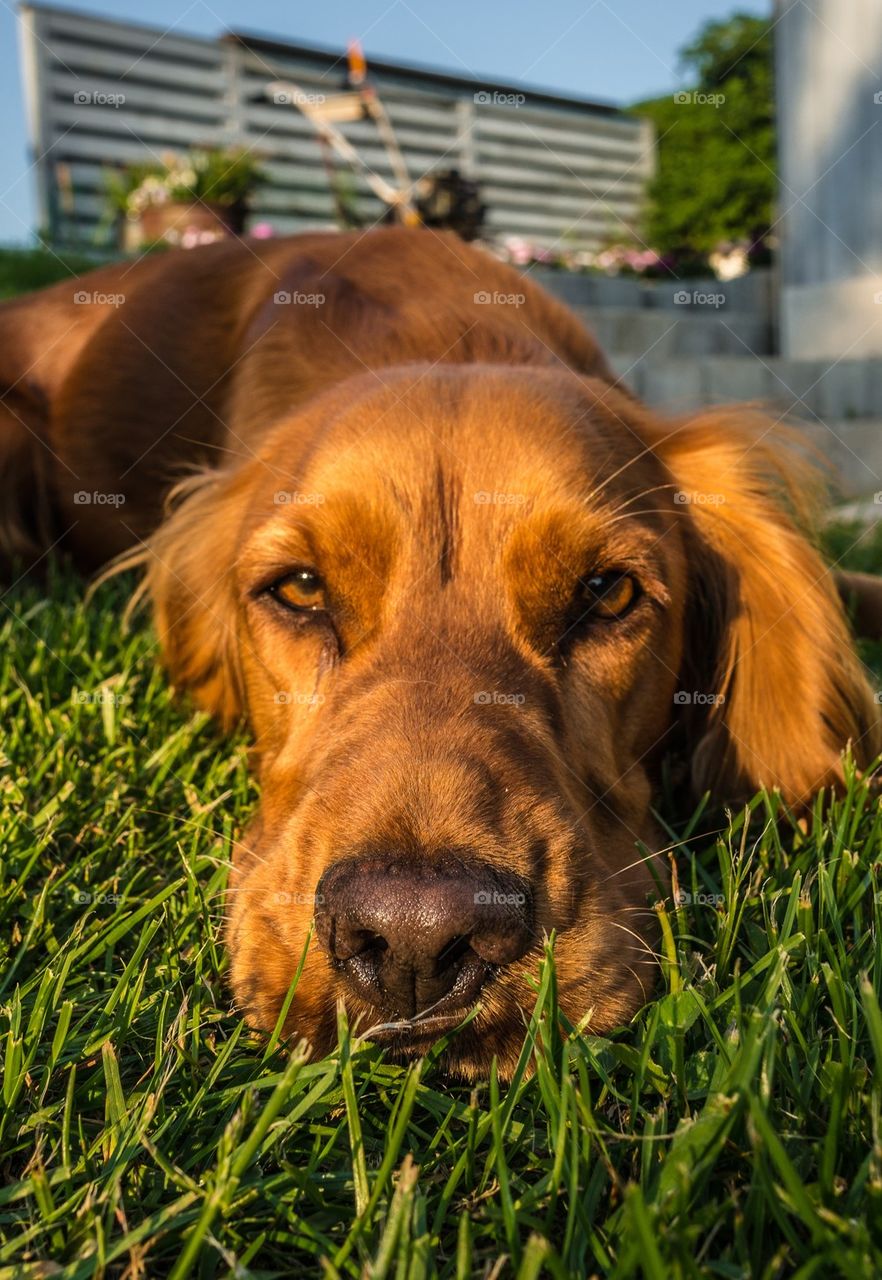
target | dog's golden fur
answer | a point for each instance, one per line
(454, 469)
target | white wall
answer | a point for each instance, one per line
(829, 77)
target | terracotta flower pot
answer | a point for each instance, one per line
(184, 224)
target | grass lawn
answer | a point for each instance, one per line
(733, 1130)
(25, 269)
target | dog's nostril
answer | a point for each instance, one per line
(410, 934)
(455, 948)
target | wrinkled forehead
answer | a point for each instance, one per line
(431, 460)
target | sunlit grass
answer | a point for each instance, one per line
(732, 1130)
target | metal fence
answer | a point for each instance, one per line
(558, 171)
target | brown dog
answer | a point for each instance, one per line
(466, 593)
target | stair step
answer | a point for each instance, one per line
(812, 389)
(682, 331)
(853, 449)
(752, 293)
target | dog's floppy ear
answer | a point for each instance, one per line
(190, 579)
(773, 686)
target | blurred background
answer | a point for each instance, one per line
(703, 184)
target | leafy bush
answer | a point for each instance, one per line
(716, 158)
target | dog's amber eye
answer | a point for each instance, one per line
(610, 595)
(302, 589)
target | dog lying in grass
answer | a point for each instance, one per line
(467, 594)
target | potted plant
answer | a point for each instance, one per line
(185, 199)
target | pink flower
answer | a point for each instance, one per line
(520, 251)
(262, 231)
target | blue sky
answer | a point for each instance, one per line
(618, 50)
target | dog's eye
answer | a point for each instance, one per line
(301, 590)
(610, 595)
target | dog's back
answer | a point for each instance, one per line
(117, 383)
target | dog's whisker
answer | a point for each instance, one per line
(644, 493)
(650, 511)
(644, 945)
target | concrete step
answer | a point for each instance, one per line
(853, 448)
(704, 330)
(753, 293)
(837, 407)
(814, 389)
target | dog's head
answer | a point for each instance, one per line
(466, 612)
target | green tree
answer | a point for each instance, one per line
(716, 141)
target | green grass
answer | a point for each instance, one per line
(24, 269)
(735, 1129)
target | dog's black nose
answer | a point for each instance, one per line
(410, 935)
